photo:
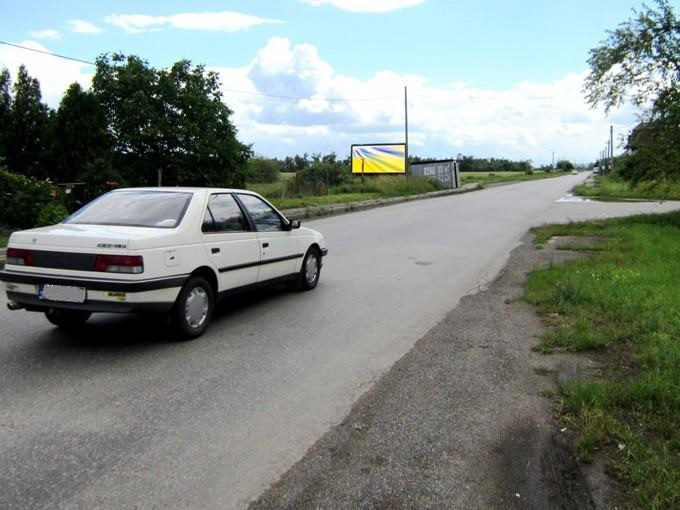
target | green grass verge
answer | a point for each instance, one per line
(3, 240)
(623, 301)
(613, 187)
(493, 177)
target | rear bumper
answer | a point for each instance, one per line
(34, 304)
(102, 295)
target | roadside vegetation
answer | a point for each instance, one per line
(615, 187)
(622, 302)
(286, 194)
(493, 177)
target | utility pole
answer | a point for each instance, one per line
(553, 160)
(611, 145)
(407, 167)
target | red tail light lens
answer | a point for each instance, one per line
(119, 264)
(19, 257)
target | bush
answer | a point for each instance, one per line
(51, 214)
(22, 198)
(262, 170)
(319, 176)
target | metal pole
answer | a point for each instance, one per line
(611, 145)
(407, 167)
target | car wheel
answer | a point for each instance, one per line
(194, 308)
(310, 270)
(67, 319)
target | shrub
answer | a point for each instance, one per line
(22, 198)
(51, 214)
(262, 170)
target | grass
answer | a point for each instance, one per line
(613, 187)
(3, 240)
(373, 188)
(493, 177)
(623, 301)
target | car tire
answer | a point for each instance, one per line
(193, 309)
(310, 270)
(67, 319)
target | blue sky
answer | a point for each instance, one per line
(486, 77)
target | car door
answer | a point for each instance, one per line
(230, 243)
(278, 246)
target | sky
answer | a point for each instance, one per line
(487, 78)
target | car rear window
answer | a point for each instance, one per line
(157, 209)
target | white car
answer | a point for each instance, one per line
(162, 250)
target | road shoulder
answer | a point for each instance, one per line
(461, 421)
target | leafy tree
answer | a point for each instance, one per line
(5, 111)
(564, 165)
(25, 137)
(78, 136)
(640, 60)
(169, 121)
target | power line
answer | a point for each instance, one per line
(260, 94)
(46, 53)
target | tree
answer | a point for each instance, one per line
(25, 138)
(78, 136)
(564, 165)
(169, 122)
(640, 60)
(5, 111)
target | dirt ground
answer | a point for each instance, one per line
(461, 421)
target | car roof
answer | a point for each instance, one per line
(188, 189)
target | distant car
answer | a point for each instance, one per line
(172, 251)
(574, 172)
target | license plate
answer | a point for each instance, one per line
(62, 293)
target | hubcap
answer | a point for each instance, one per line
(311, 268)
(196, 307)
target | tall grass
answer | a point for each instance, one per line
(613, 187)
(373, 187)
(625, 302)
(494, 177)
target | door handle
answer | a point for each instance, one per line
(214, 250)
(265, 245)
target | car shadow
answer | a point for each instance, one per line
(130, 332)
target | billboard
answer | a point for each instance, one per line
(386, 158)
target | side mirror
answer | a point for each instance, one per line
(294, 224)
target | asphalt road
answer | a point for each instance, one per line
(119, 417)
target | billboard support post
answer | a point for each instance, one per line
(406, 165)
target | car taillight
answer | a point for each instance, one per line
(19, 257)
(119, 264)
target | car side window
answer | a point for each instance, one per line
(265, 218)
(223, 214)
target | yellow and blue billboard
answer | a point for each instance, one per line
(387, 158)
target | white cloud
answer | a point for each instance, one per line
(49, 33)
(366, 5)
(54, 74)
(211, 21)
(320, 110)
(526, 121)
(83, 27)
